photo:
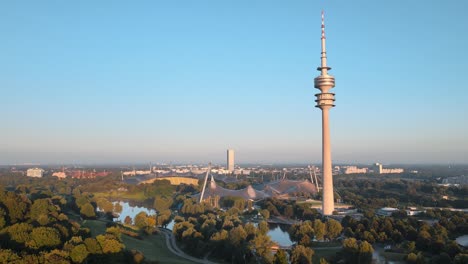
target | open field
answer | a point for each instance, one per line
(323, 253)
(139, 196)
(153, 247)
(321, 245)
(97, 227)
(393, 256)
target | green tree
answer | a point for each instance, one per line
(163, 218)
(45, 237)
(16, 206)
(20, 232)
(237, 242)
(280, 257)
(115, 232)
(301, 255)
(56, 256)
(323, 261)
(109, 244)
(140, 220)
(105, 205)
(92, 246)
(118, 208)
(365, 252)
(333, 228)
(302, 233)
(261, 245)
(288, 211)
(263, 227)
(411, 258)
(87, 210)
(8, 256)
(265, 213)
(79, 253)
(41, 209)
(319, 228)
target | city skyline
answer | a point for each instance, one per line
(94, 83)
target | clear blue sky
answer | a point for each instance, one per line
(181, 81)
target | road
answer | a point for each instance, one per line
(172, 246)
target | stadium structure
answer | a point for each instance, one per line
(282, 189)
(211, 192)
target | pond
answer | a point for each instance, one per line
(279, 234)
(462, 240)
(131, 210)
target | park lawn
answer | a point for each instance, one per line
(316, 244)
(323, 253)
(310, 202)
(154, 248)
(97, 227)
(138, 196)
(72, 216)
(394, 256)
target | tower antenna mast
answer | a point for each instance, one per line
(325, 101)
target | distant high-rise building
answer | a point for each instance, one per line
(378, 168)
(325, 100)
(35, 172)
(230, 160)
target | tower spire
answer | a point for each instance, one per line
(323, 25)
(323, 68)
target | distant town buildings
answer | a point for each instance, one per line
(59, 174)
(35, 172)
(137, 172)
(375, 168)
(83, 174)
(456, 181)
(241, 172)
(230, 160)
(378, 168)
(354, 169)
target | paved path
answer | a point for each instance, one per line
(172, 246)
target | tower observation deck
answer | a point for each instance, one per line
(325, 100)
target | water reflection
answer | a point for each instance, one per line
(463, 240)
(279, 234)
(132, 211)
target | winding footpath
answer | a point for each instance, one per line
(172, 246)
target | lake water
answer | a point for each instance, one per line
(278, 233)
(132, 211)
(463, 240)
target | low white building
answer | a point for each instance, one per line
(386, 211)
(354, 169)
(35, 172)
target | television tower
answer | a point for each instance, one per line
(325, 100)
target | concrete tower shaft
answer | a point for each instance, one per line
(325, 101)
